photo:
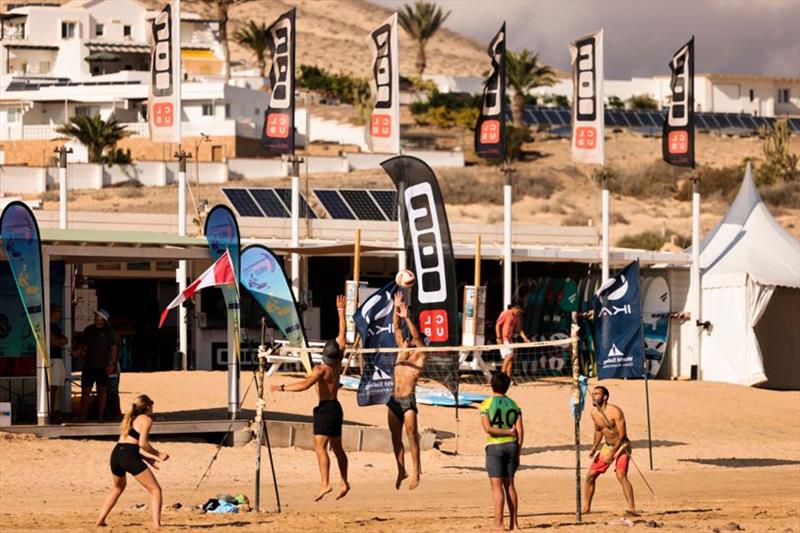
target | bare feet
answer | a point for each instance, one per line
(631, 514)
(101, 523)
(322, 492)
(414, 482)
(586, 511)
(344, 488)
(498, 528)
(400, 477)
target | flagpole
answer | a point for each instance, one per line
(507, 289)
(605, 207)
(695, 274)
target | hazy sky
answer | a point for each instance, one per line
(731, 36)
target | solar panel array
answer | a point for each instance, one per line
(654, 120)
(267, 202)
(359, 204)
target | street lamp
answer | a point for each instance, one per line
(204, 138)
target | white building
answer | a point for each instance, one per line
(766, 96)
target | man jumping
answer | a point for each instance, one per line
(609, 424)
(403, 402)
(328, 415)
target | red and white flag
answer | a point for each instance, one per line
(220, 273)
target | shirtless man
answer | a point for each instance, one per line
(508, 325)
(609, 424)
(403, 402)
(328, 415)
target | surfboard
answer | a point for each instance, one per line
(535, 309)
(655, 304)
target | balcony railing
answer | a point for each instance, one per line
(44, 132)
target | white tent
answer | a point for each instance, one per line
(751, 297)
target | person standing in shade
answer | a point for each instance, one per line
(58, 372)
(328, 415)
(100, 361)
(402, 404)
(501, 418)
(508, 325)
(609, 425)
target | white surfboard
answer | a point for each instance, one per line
(655, 307)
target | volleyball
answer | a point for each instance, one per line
(405, 278)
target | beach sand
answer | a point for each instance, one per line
(722, 454)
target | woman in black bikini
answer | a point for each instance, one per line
(126, 458)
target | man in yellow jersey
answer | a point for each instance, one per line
(502, 421)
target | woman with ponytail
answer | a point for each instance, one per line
(127, 458)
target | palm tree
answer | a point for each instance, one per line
(223, 6)
(95, 134)
(523, 73)
(255, 37)
(421, 23)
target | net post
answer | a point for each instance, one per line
(649, 435)
(574, 329)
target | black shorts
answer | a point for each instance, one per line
(328, 418)
(400, 404)
(126, 458)
(90, 376)
(501, 459)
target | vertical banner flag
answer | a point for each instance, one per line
(677, 140)
(491, 126)
(383, 133)
(162, 104)
(263, 275)
(434, 302)
(619, 341)
(373, 321)
(588, 112)
(23, 250)
(278, 133)
(222, 234)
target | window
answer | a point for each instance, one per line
(227, 110)
(13, 115)
(98, 30)
(783, 96)
(208, 110)
(44, 67)
(258, 112)
(752, 95)
(143, 112)
(68, 30)
(126, 31)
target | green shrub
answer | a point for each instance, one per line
(131, 192)
(646, 240)
(536, 186)
(780, 164)
(342, 87)
(782, 195)
(642, 102)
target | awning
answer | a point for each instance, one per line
(101, 56)
(24, 46)
(131, 48)
(197, 54)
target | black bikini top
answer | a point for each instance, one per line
(132, 432)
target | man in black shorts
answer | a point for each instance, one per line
(328, 415)
(100, 361)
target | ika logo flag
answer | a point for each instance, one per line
(220, 273)
(491, 126)
(426, 233)
(588, 115)
(277, 134)
(163, 104)
(373, 321)
(263, 275)
(618, 337)
(23, 249)
(677, 140)
(222, 234)
(383, 130)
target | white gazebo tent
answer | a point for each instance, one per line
(751, 297)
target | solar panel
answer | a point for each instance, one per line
(528, 117)
(564, 115)
(540, 117)
(658, 118)
(387, 201)
(618, 118)
(244, 204)
(722, 120)
(609, 120)
(552, 117)
(736, 121)
(286, 196)
(362, 204)
(334, 204)
(701, 121)
(645, 119)
(633, 119)
(269, 203)
(794, 124)
(748, 122)
(711, 121)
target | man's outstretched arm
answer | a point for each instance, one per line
(300, 386)
(340, 307)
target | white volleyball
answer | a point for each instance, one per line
(405, 278)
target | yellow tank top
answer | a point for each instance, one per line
(502, 412)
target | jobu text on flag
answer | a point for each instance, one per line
(677, 140)
(619, 341)
(383, 131)
(163, 114)
(426, 231)
(373, 321)
(277, 134)
(263, 275)
(491, 126)
(588, 117)
(220, 273)
(23, 250)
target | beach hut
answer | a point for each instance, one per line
(750, 296)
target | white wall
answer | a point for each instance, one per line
(84, 176)
(440, 159)
(23, 180)
(114, 14)
(257, 168)
(147, 173)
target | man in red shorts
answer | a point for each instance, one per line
(609, 425)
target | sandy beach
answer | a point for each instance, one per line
(722, 454)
